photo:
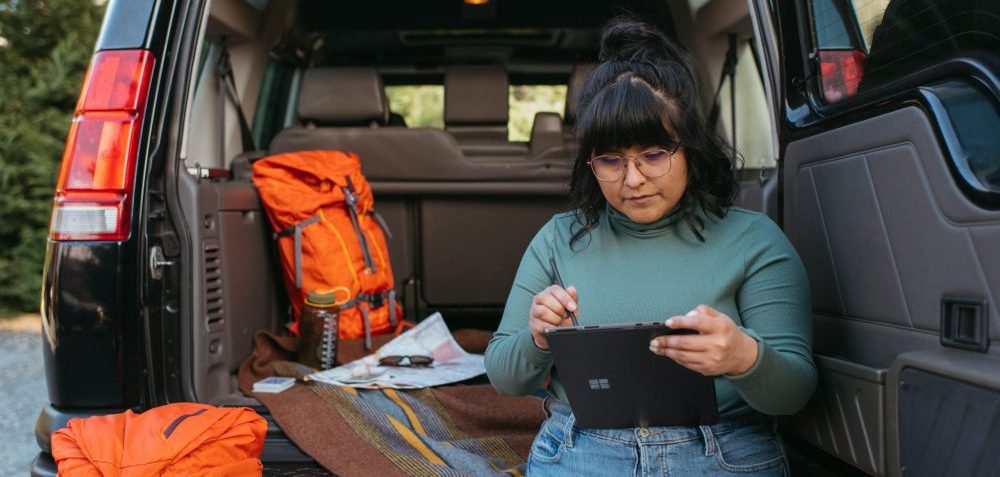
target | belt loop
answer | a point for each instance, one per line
(568, 433)
(710, 445)
(545, 405)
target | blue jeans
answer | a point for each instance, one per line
(748, 446)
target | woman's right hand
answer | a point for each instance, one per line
(550, 308)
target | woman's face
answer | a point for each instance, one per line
(646, 199)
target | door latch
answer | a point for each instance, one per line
(157, 262)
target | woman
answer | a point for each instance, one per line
(653, 236)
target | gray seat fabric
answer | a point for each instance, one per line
(413, 154)
(577, 78)
(476, 111)
(459, 222)
(394, 153)
(343, 97)
(547, 139)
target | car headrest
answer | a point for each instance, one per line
(546, 132)
(577, 78)
(475, 95)
(342, 96)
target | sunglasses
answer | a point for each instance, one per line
(415, 361)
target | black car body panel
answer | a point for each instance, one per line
(84, 314)
(93, 322)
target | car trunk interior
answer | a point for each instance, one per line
(462, 202)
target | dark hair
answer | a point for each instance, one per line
(644, 83)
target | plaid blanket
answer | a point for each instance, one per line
(446, 431)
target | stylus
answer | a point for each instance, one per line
(555, 274)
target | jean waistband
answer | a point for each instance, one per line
(561, 410)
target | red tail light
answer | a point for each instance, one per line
(840, 73)
(93, 191)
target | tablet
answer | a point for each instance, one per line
(613, 380)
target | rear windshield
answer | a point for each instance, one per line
(898, 37)
(423, 105)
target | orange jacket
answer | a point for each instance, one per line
(182, 439)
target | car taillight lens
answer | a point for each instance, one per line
(93, 192)
(840, 73)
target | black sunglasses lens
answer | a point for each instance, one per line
(405, 361)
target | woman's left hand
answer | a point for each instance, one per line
(718, 348)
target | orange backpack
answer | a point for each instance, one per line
(330, 238)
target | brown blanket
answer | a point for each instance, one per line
(438, 431)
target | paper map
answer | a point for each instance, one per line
(429, 338)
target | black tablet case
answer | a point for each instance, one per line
(613, 380)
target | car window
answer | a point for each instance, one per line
(754, 137)
(862, 44)
(423, 105)
(525, 101)
(834, 25)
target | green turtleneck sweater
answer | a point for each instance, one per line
(629, 272)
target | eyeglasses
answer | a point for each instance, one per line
(651, 163)
(415, 361)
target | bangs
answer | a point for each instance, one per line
(627, 113)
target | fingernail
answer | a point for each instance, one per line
(669, 322)
(571, 306)
(692, 313)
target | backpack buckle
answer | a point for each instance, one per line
(375, 300)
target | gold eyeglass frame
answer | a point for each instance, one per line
(635, 159)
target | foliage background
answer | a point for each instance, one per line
(45, 46)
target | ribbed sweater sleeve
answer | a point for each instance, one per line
(514, 364)
(775, 306)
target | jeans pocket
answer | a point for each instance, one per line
(552, 438)
(749, 449)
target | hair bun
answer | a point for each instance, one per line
(627, 38)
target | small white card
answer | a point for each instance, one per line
(273, 384)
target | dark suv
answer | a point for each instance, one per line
(869, 131)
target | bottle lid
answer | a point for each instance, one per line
(321, 297)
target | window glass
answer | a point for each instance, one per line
(754, 136)
(912, 34)
(269, 117)
(422, 106)
(525, 101)
(869, 14)
(865, 43)
(832, 22)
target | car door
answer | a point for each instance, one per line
(890, 191)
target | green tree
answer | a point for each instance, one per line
(45, 46)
